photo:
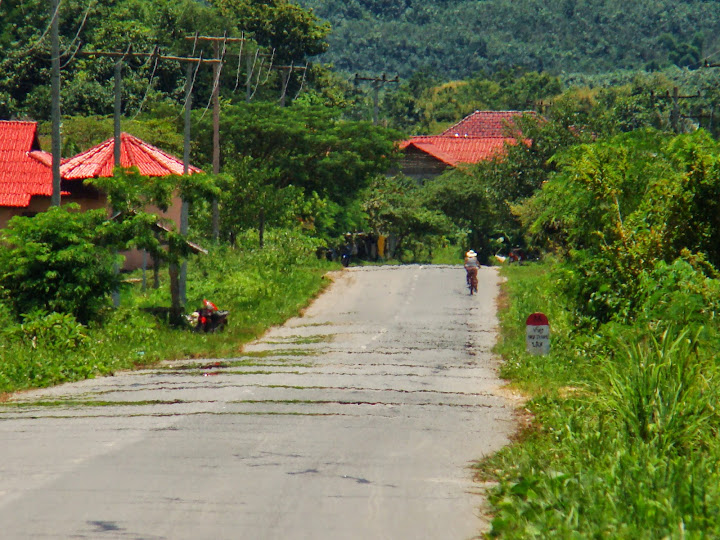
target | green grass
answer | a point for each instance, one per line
(621, 439)
(260, 287)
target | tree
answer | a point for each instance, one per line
(298, 153)
(395, 206)
(60, 261)
(131, 194)
(617, 208)
(295, 33)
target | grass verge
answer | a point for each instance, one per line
(260, 287)
(623, 441)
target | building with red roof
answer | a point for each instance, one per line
(26, 173)
(99, 161)
(480, 136)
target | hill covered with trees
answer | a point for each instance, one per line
(458, 38)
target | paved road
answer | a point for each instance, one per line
(358, 420)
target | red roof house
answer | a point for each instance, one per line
(99, 160)
(26, 173)
(25, 170)
(477, 137)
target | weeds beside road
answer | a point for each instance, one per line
(260, 287)
(621, 439)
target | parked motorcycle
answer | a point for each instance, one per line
(208, 318)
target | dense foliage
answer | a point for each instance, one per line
(458, 38)
(281, 30)
(61, 261)
(621, 436)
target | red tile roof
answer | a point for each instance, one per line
(25, 171)
(485, 124)
(477, 137)
(99, 160)
(455, 150)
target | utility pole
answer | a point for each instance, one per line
(217, 68)
(185, 208)
(216, 138)
(178, 276)
(285, 79)
(675, 112)
(55, 106)
(116, 148)
(377, 83)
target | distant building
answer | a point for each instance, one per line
(478, 137)
(25, 171)
(26, 174)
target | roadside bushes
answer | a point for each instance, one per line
(58, 261)
(623, 441)
(617, 207)
(260, 287)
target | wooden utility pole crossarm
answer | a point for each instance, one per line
(377, 82)
(189, 59)
(675, 97)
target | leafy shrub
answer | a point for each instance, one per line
(58, 261)
(54, 331)
(624, 438)
(679, 293)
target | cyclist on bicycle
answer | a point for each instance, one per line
(471, 266)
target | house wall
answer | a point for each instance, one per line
(421, 166)
(134, 258)
(37, 204)
(93, 201)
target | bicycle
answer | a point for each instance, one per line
(472, 280)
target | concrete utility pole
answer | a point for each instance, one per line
(185, 208)
(217, 68)
(377, 83)
(285, 79)
(55, 106)
(675, 115)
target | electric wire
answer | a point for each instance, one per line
(72, 56)
(248, 80)
(257, 80)
(156, 56)
(287, 82)
(216, 82)
(197, 34)
(49, 26)
(237, 75)
(272, 57)
(192, 84)
(302, 81)
(77, 34)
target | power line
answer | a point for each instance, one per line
(77, 35)
(152, 78)
(49, 27)
(376, 83)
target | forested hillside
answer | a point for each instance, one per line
(457, 38)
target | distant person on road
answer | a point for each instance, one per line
(471, 266)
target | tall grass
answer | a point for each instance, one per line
(260, 288)
(621, 445)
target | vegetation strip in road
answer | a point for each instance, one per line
(620, 430)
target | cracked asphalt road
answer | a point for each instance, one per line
(358, 420)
